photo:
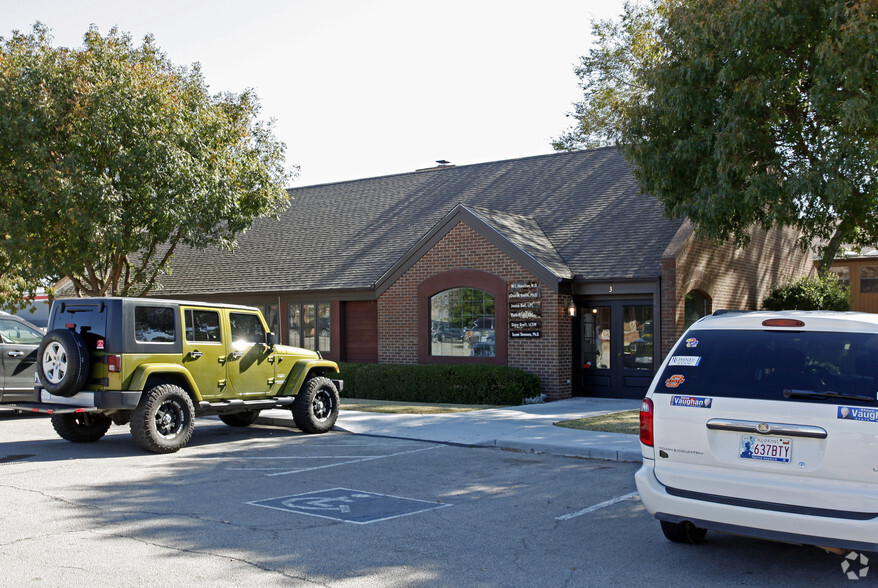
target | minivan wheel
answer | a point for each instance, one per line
(164, 419)
(684, 532)
(62, 362)
(81, 427)
(315, 408)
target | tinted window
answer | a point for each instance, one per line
(154, 324)
(202, 325)
(760, 364)
(247, 328)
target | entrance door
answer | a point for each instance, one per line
(614, 353)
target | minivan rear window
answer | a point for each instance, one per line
(828, 367)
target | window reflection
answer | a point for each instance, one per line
(638, 337)
(462, 323)
(596, 338)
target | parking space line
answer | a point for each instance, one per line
(361, 460)
(595, 507)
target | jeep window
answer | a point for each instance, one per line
(462, 323)
(202, 325)
(246, 328)
(309, 326)
(799, 366)
(154, 324)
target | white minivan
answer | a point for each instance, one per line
(765, 424)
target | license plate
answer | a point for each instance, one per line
(777, 449)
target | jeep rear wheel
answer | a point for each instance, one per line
(164, 419)
(62, 362)
(240, 419)
(315, 408)
(81, 427)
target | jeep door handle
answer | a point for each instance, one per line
(195, 354)
(235, 355)
(15, 353)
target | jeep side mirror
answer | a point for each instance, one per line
(272, 340)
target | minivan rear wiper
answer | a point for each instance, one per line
(826, 394)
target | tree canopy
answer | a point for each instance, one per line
(754, 112)
(111, 157)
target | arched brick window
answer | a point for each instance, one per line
(698, 304)
(462, 318)
(462, 323)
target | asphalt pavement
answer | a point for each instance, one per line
(526, 428)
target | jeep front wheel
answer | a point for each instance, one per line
(240, 419)
(315, 408)
(81, 427)
(62, 362)
(164, 419)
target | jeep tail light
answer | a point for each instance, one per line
(114, 363)
(646, 412)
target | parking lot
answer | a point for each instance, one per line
(274, 506)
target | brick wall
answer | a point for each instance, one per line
(462, 248)
(733, 278)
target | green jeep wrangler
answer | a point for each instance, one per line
(157, 364)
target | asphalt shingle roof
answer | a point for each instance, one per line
(584, 208)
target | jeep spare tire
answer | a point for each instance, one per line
(63, 362)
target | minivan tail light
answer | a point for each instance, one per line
(646, 413)
(114, 363)
(783, 323)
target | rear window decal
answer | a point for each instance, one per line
(855, 413)
(675, 381)
(691, 401)
(686, 360)
(691, 342)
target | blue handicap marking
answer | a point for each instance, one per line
(350, 506)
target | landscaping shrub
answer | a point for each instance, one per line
(810, 293)
(450, 384)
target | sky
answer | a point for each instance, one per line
(366, 88)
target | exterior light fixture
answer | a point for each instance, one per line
(571, 309)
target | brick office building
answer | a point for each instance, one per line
(555, 264)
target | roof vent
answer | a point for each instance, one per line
(443, 164)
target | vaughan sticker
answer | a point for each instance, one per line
(686, 360)
(855, 413)
(691, 401)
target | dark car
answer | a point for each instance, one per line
(19, 341)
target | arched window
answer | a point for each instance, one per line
(462, 323)
(697, 305)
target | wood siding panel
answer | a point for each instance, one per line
(361, 331)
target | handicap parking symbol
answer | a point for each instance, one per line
(350, 506)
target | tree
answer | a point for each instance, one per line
(111, 157)
(810, 293)
(610, 76)
(760, 112)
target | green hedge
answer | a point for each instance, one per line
(810, 293)
(453, 384)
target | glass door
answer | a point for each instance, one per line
(614, 353)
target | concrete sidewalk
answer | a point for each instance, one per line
(523, 428)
